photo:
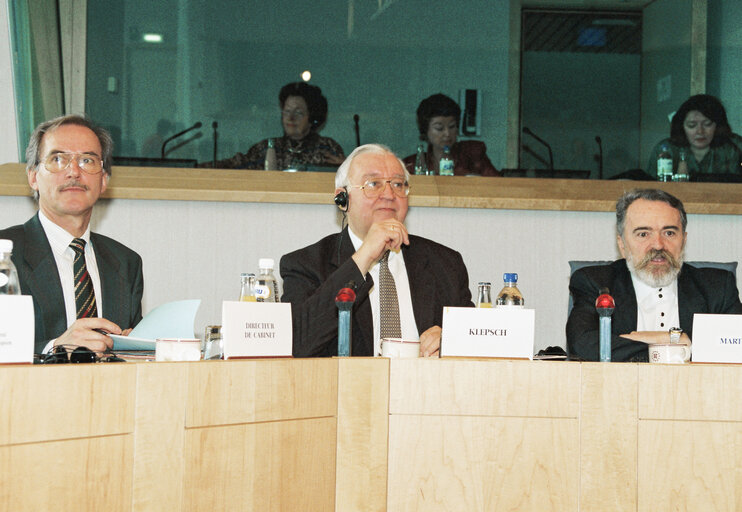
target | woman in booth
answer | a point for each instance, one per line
(438, 122)
(701, 131)
(303, 114)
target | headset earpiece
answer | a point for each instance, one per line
(341, 199)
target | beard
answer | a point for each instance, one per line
(654, 275)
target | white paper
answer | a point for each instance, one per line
(256, 329)
(488, 332)
(17, 329)
(717, 338)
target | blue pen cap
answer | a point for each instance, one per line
(510, 277)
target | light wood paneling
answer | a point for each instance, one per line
(484, 387)
(608, 437)
(159, 436)
(695, 392)
(482, 463)
(76, 475)
(286, 465)
(230, 392)
(688, 466)
(65, 401)
(362, 434)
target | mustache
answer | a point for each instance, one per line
(73, 184)
(655, 253)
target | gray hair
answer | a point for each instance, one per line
(33, 158)
(341, 176)
(650, 194)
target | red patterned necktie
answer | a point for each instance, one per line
(84, 292)
(389, 303)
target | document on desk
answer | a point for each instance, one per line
(169, 320)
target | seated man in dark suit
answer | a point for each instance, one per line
(376, 253)
(653, 289)
(83, 284)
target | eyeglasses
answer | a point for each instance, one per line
(297, 113)
(58, 162)
(375, 187)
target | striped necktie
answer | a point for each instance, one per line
(389, 304)
(84, 292)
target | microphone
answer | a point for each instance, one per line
(605, 305)
(194, 127)
(358, 131)
(600, 156)
(344, 301)
(527, 131)
(214, 126)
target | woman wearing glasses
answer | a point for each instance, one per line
(303, 114)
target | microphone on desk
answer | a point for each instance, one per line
(600, 156)
(605, 305)
(344, 301)
(194, 127)
(358, 130)
(528, 131)
(214, 126)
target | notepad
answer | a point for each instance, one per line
(170, 320)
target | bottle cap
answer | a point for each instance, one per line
(6, 245)
(485, 283)
(265, 263)
(446, 148)
(510, 277)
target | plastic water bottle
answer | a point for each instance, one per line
(510, 294)
(682, 174)
(484, 297)
(247, 287)
(421, 164)
(9, 284)
(271, 163)
(266, 289)
(445, 166)
(664, 163)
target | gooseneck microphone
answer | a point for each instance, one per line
(214, 126)
(358, 130)
(528, 131)
(194, 127)
(600, 156)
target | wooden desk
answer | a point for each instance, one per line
(371, 434)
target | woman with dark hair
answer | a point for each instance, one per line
(701, 130)
(303, 114)
(438, 122)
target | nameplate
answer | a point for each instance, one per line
(256, 329)
(16, 329)
(717, 338)
(488, 332)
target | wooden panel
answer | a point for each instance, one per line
(287, 465)
(688, 466)
(483, 463)
(690, 392)
(608, 437)
(362, 434)
(77, 475)
(484, 387)
(242, 391)
(42, 403)
(159, 439)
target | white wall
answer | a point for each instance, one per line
(198, 249)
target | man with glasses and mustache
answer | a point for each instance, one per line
(653, 289)
(83, 284)
(401, 281)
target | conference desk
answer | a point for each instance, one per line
(371, 434)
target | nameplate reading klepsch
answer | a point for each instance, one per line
(16, 329)
(488, 332)
(256, 329)
(717, 338)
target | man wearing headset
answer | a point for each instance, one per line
(372, 187)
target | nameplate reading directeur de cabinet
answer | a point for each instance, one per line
(505, 332)
(256, 329)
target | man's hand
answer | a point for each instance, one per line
(653, 337)
(82, 334)
(382, 236)
(430, 342)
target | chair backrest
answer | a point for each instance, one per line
(574, 265)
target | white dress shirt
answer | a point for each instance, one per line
(59, 240)
(657, 308)
(402, 283)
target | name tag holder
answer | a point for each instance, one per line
(505, 332)
(717, 338)
(256, 329)
(17, 329)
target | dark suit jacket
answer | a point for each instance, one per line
(700, 290)
(313, 276)
(119, 267)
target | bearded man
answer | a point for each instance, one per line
(655, 292)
